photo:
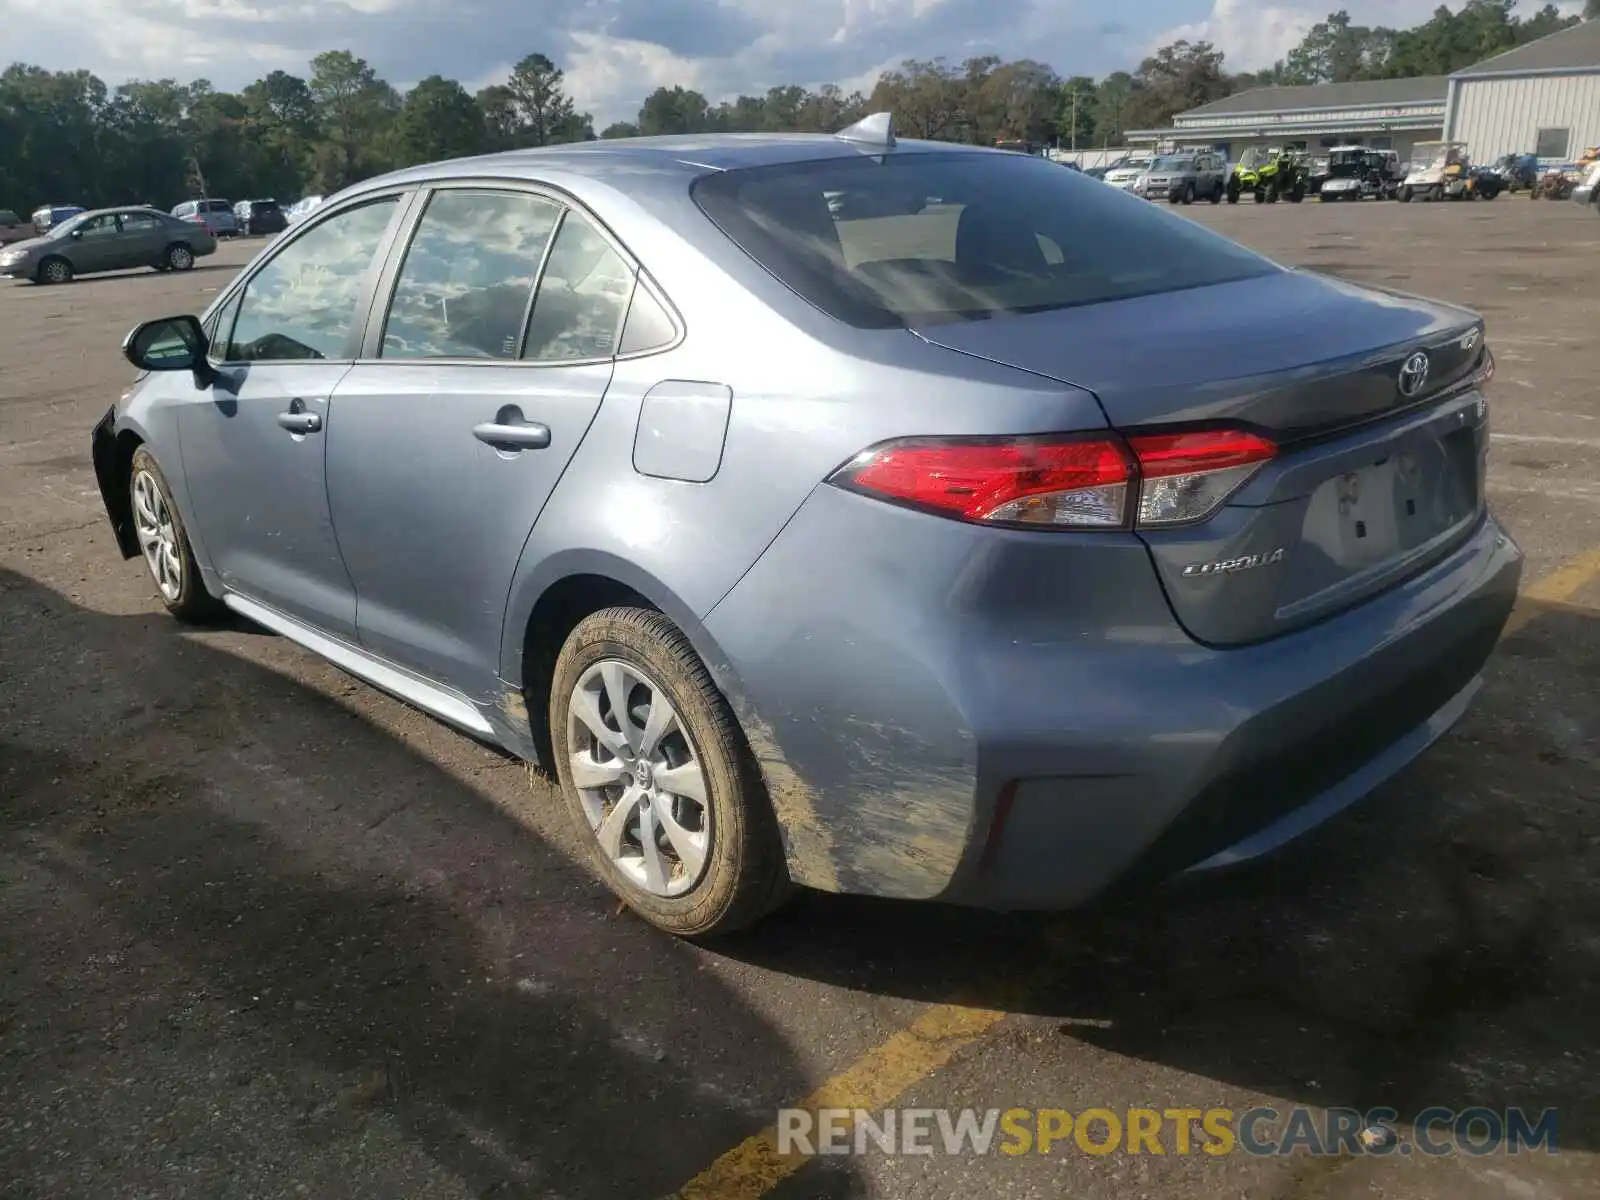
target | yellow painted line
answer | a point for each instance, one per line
(1558, 587)
(880, 1076)
(755, 1166)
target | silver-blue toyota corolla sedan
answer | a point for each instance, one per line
(882, 517)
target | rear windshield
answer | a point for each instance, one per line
(216, 206)
(263, 206)
(927, 238)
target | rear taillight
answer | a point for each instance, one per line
(1187, 476)
(1102, 482)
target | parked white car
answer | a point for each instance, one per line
(1588, 192)
(302, 208)
(1129, 171)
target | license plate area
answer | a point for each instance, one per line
(1383, 509)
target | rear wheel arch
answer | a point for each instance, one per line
(568, 598)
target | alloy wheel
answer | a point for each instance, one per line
(152, 521)
(639, 778)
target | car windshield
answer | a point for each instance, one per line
(934, 237)
(1133, 164)
(1424, 157)
(1255, 157)
(1346, 162)
(1173, 162)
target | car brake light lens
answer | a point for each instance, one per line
(1062, 482)
(1010, 481)
(1187, 476)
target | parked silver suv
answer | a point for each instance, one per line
(1186, 176)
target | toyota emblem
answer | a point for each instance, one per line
(1413, 374)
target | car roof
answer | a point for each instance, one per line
(642, 160)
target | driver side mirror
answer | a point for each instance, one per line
(171, 344)
(76, 235)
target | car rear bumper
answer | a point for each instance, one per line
(948, 712)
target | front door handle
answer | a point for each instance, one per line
(508, 431)
(300, 422)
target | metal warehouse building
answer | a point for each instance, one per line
(1386, 114)
(1542, 98)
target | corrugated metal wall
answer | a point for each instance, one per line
(1504, 116)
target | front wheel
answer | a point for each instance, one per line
(658, 780)
(54, 270)
(165, 542)
(1188, 194)
(1405, 195)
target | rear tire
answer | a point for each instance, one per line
(164, 542)
(178, 257)
(735, 874)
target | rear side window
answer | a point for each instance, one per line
(926, 238)
(468, 275)
(583, 296)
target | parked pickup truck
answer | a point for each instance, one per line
(1186, 177)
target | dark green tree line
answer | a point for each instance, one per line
(66, 137)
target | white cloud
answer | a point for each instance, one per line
(615, 52)
(603, 68)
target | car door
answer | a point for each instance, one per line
(254, 442)
(452, 432)
(143, 239)
(92, 245)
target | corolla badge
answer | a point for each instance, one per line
(1413, 374)
(1231, 566)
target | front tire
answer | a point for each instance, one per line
(164, 542)
(658, 780)
(54, 270)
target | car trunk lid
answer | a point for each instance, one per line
(1372, 482)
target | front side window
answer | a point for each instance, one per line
(464, 287)
(959, 236)
(583, 296)
(302, 303)
(96, 228)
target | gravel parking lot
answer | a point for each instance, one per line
(268, 933)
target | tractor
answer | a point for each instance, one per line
(1268, 174)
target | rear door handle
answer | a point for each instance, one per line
(300, 422)
(526, 435)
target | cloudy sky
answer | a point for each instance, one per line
(616, 51)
